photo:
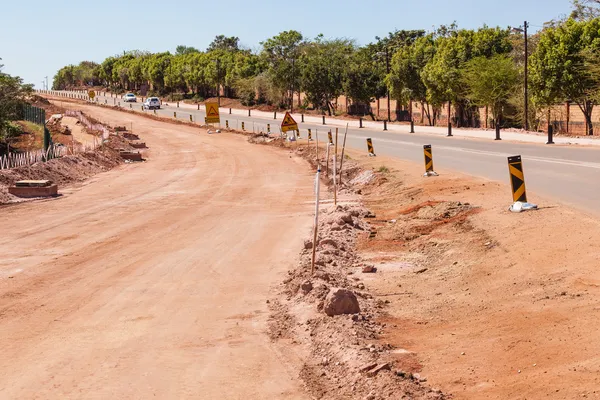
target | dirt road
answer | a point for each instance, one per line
(151, 281)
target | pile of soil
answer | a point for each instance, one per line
(347, 358)
(64, 170)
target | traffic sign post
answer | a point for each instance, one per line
(92, 94)
(288, 123)
(212, 113)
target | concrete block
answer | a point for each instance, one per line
(34, 191)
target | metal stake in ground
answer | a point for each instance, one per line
(343, 148)
(428, 161)
(517, 183)
(335, 179)
(327, 160)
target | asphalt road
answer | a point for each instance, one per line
(567, 173)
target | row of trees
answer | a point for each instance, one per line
(466, 68)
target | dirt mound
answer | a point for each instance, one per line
(345, 361)
(64, 170)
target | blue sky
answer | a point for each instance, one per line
(37, 37)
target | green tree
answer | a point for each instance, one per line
(585, 9)
(181, 50)
(222, 42)
(280, 54)
(13, 94)
(454, 48)
(405, 80)
(322, 65)
(362, 77)
(490, 82)
(557, 71)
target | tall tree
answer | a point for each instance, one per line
(323, 63)
(585, 9)
(13, 94)
(281, 53)
(490, 82)
(222, 42)
(557, 67)
(405, 80)
(453, 48)
(181, 50)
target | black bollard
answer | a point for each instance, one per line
(498, 132)
(302, 117)
(449, 129)
(248, 112)
(323, 120)
(550, 134)
(384, 125)
(360, 123)
(274, 114)
(412, 126)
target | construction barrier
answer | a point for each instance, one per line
(309, 135)
(370, 147)
(517, 183)
(428, 161)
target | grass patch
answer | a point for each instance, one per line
(383, 169)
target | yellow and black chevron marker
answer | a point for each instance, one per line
(330, 136)
(309, 135)
(268, 128)
(243, 126)
(191, 120)
(227, 123)
(370, 147)
(174, 114)
(517, 182)
(428, 161)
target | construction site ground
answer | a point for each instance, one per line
(187, 276)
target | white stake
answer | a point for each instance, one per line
(316, 227)
(334, 179)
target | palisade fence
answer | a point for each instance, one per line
(14, 160)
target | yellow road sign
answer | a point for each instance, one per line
(92, 94)
(288, 123)
(212, 113)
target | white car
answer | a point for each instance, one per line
(152, 103)
(130, 98)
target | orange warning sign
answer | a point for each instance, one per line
(288, 123)
(212, 113)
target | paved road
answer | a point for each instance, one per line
(152, 282)
(569, 173)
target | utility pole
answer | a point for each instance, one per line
(526, 73)
(46, 82)
(292, 96)
(387, 67)
(218, 82)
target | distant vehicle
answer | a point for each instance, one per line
(152, 103)
(130, 98)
